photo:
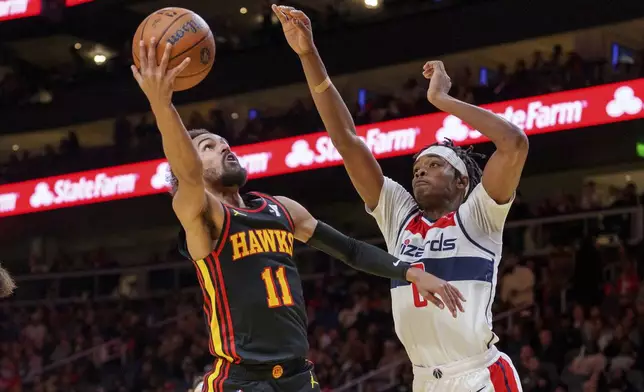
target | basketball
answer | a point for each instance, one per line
(190, 36)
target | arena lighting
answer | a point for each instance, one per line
(100, 59)
(610, 103)
(371, 3)
(17, 9)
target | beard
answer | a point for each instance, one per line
(234, 176)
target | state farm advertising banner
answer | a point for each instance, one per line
(16, 9)
(547, 113)
(71, 3)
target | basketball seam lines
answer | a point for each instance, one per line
(194, 74)
(197, 43)
(168, 28)
(145, 23)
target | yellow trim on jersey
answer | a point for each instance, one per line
(214, 322)
(213, 376)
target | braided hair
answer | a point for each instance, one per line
(172, 179)
(468, 156)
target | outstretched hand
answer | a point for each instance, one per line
(439, 82)
(155, 79)
(297, 29)
(432, 287)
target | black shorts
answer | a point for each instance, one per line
(296, 375)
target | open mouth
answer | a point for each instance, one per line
(231, 157)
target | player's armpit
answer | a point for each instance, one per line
(198, 212)
(304, 223)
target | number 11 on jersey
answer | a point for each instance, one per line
(272, 296)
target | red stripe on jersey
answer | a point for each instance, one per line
(418, 225)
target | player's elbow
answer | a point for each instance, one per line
(514, 140)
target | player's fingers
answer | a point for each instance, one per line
(434, 299)
(278, 12)
(301, 16)
(440, 66)
(163, 66)
(448, 299)
(452, 292)
(284, 10)
(143, 57)
(458, 293)
(136, 74)
(178, 69)
(152, 54)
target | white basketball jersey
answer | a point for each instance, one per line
(463, 248)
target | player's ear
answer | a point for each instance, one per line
(462, 182)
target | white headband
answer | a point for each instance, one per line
(447, 154)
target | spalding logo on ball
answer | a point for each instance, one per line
(190, 36)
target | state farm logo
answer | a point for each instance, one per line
(255, 163)
(535, 115)
(454, 128)
(67, 191)
(8, 202)
(161, 178)
(624, 102)
(378, 142)
(13, 7)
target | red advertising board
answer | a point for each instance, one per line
(535, 115)
(71, 3)
(17, 9)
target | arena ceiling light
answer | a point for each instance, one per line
(371, 3)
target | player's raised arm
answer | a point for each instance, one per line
(190, 198)
(503, 170)
(368, 258)
(361, 165)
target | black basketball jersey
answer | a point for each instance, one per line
(253, 300)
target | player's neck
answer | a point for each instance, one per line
(229, 196)
(436, 212)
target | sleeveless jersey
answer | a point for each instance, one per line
(253, 300)
(463, 248)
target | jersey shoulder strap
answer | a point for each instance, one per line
(279, 205)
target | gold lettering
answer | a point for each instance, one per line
(290, 238)
(281, 240)
(267, 239)
(255, 247)
(240, 248)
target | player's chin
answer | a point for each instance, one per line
(234, 176)
(426, 195)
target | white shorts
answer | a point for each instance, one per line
(491, 371)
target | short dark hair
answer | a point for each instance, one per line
(468, 156)
(172, 179)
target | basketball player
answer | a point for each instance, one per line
(7, 285)
(242, 247)
(452, 225)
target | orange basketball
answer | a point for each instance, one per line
(190, 36)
